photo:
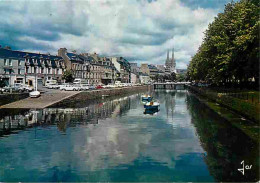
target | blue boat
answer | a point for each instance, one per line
(146, 98)
(152, 105)
(151, 111)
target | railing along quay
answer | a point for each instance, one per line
(171, 86)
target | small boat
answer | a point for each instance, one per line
(147, 98)
(34, 94)
(151, 111)
(152, 105)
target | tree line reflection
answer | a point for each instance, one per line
(226, 145)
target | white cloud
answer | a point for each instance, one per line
(138, 30)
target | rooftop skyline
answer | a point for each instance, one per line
(141, 31)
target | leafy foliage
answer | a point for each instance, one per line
(180, 77)
(68, 76)
(230, 49)
(2, 83)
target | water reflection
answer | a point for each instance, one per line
(113, 140)
(226, 145)
(11, 121)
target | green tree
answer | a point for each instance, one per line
(180, 77)
(156, 77)
(68, 76)
(230, 49)
(2, 83)
(172, 76)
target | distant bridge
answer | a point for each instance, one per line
(171, 85)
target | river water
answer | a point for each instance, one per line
(117, 140)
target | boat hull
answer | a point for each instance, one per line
(151, 107)
(151, 111)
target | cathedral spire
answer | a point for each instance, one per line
(173, 53)
(167, 55)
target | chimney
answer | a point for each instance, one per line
(62, 52)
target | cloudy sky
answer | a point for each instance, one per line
(140, 30)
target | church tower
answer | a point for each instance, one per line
(173, 63)
(170, 63)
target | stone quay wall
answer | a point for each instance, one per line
(99, 94)
(8, 98)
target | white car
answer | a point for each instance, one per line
(63, 85)
(84, 87)
(27, 88)
(111, 86)
(53, 86)
(70, 88)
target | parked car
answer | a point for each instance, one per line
(17, 87)
(84, 87)
(99, 87)
(63, 85)
(105, 86)
(49, 82)
(92, 87)
(80, 81)
(70, 88)
(27, 88)
(110, 86)
(53, 86)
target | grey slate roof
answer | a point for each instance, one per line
(152, 67)
(6, 53)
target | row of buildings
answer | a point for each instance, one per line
(23, 67)
(149, 72)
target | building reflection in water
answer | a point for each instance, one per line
(63, 117)
(169, 98)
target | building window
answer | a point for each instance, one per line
(49, 70)
(35, 70)
(19, 71)
(5, 61)
(58, 71)
(10, 71)
(19, 62)
(10, 62)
